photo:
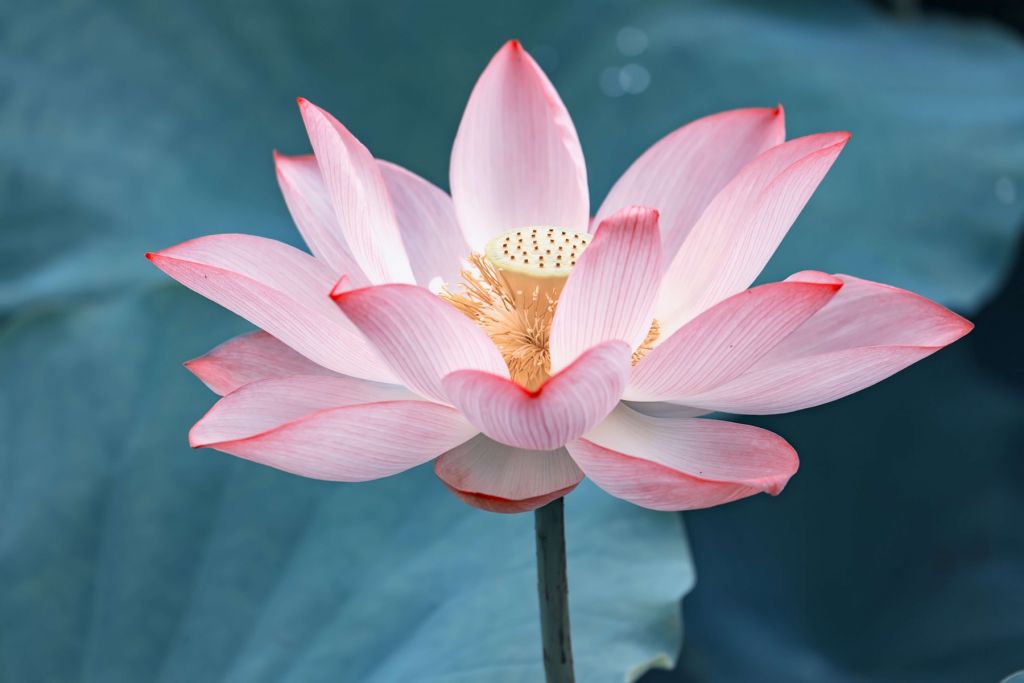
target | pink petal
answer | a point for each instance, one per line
(249, 358)
(866, 333)
(279, 289)
(498, 478)
(516, 161)
(682, 463)
(682, 172)
(426, 218)
(310, 206)
(421, 337)
(743, 225)
(612, 289)
(564, 407)
(725, 340)
(359, 196)
(334, 428)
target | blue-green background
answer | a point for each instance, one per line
(895, 554)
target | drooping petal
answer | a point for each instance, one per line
(279, 289)
(359, 196)
(516, 160)
(681, 173)
(310, 206)
(611, 291)
(334, 428)
(866, 333)
(682, 463)
(742, 226)
(564, 407)
(426, 219)
(249, 358)
(421, 337)
(498, 478)
(725, 340)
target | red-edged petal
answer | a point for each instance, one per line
(359, 197)
(248, 358)
(421, 337)
(682, 463)
(498, 478)
(426, 218)
(725, 340)
(682, 172)
(742, 226)
(516, 160)
(310, 206)
(564, 407)
(334, 428)
(611, 291)
(279, 289)
(866, 333)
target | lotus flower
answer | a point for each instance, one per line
(521, 345)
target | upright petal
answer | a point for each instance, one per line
(359, 196)
(742, 226)
(333, 428)
(310, 206)
(249, 358)
(725, 340)
(426, 219)
(610, 293)
(421, 337)
(681, 173)
(498, 478)
(682, 463)
(516, 160)
(866, 333)
(564, 407)
(279, 289)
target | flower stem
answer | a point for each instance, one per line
(553, 590)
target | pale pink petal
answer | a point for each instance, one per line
(611, 291)
(279, 289)
(421, 337)
(334, 428)
(742, 226)
(564, 407)
(249, 358)
(725, 340)
(517, 160)
(310, 206)
(426, 218)
(866, 333)
(499, 478)
(359, 197)
(682, 172)
(682, 463)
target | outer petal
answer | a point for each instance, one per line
(682, 172)
(421, 337)
(743, 225)
(249, 358)
(426, 218)
(359, 196)
(310, 205)
(498, 478)
(725, 340)
(564, 407)
(868, 332)
(516, 160)
(612, 289)
(324, 428)
(279, 289)
(682, 463)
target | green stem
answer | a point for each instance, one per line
(553, 590)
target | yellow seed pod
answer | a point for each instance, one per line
(536, 257)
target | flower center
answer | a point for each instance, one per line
(540, 257)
